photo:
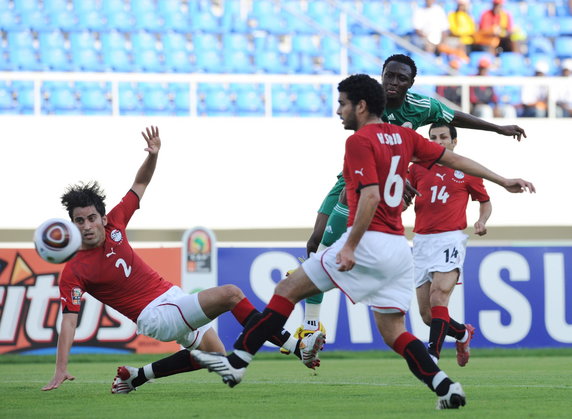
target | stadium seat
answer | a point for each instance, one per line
(91, 20)
(8, 20)
(540, 44)
(156, 102)
(181, 100)
(129, 101)
(34, 20)
(205, 42)
(306, 44)
(331, 62)
(565, 25)
(117, 60)
(94, 101)
(149, 21)
(81, 6)
(270, 62)
(143, 40)
(143, 6)
(57, 6)
(178, 61)
(20, 39)
(281, 101)
(56, 59)
(563, 47)
(63, 20)
(7, 104)
(51, 39)
(216, 103)
(204, 22)
(249, 103)
(209, 61)
(309, 104)
(148, 61)
(113, 6)
(175, 21)
(239, 62)
(113, 40)
(120, 20)
(174, 41)
(24, 92)
(267, 17)
(547, 58)
(62, 101)
(324, 15)
(24, 59)
(513, 64)
(236, 42)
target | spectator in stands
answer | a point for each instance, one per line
(495, 29)
(564, 95)
(484, 100)
(535, 97)
(430, 26)
(462, 27)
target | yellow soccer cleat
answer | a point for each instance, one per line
(301, 333)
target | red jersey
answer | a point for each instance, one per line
(378, 154)
(445, 193)
(113, 273)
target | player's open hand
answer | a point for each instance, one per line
(513, 130)
(57, 380)
(519, 186)
(153, 140)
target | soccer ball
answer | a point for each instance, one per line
(57, 240)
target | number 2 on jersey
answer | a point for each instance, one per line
(126, 268)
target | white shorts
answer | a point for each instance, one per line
(174, 316)
(440, 252)
(381, 278)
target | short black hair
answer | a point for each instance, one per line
(362, 87)
(404, 59)
(452, 129)
(84, 195)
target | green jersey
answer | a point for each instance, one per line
(418, 110)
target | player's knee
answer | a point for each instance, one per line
(231, 294)
(426, 316)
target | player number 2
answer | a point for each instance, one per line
(441, 195)
(393, 199)
(126, 268)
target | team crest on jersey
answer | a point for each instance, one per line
(407, 125)
(116, 236)
(459, 174)
(76, 296)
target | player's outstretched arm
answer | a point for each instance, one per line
(145, 172)
(471, 167)
(65, 341)
(465, 120)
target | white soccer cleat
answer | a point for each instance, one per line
(217, 362)
(310, 345)
(454, 398)
(123, 379)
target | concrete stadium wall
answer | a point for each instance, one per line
(241, 174)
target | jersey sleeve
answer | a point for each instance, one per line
(477, 190)
(360, 162)
(122, 212)
(439, 112)
(71, 291)
(425, 152)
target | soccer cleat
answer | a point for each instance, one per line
(309, 347)
(123, 379)
(301, 333)
(454, 398)
(217, 362)
(463, 350)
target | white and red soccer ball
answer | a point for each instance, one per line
(57, 240)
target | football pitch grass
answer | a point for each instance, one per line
(498, 384)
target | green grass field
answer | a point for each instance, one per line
(498, 383)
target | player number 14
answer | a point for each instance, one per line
(441, 195)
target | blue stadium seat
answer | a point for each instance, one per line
(92, 20)
(281, 101)
(87, 59)
(547, 58)
(25, 5)
(121, 21)
(8, 20)
(324, 15)
(331, 62)
(156, 102)
(267, 18)
(129, 100)
(205, 42)
(238, 62)
(536, 11)
(359, 63)
(113, 6)
(64, 20)
(56, 59)
(205, 22)
(81, 6)
(249, 103)
(236, 42)
(113, 40)
(216, 102)
(34, 19)
(94, 101)
(143, 40)
(57, 6)
(513, 64)
(270, 62)
(118, 60)
(209, 61)
(7, 103)
(178, 61)
(148, 60)
(175, 21)
(374, 11)
(82, 40)
(182, 99)
(306, 44)
(51, 39)
(565, 25)
(24, 91)
(169, 6)
(149, 21)
(24, 59)
(174, 41)
(540, 44)
(143, 6)
(563, 47)
(61, 101)
(309, 104)
(20, 39)
(511, 95)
